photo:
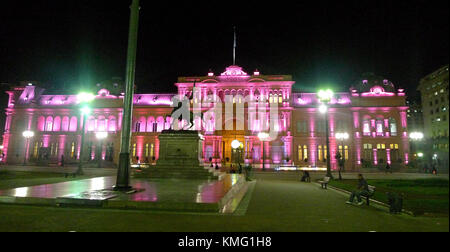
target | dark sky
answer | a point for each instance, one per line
(65, 44)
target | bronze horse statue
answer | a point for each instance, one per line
(191, 114)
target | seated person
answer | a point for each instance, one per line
(363, 190)
(306, 177)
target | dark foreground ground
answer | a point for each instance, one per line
(274, 203)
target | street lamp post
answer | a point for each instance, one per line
(85, 111)
(325, 97)
(341, 137)
(101, 136)
(263, 137)
(28, 135)
(237, 148)
(416, 138)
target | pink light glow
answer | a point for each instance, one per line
(344, 101)
(41, 123)
(62, 144)
(303, 102)
(358, 156)
(375, 157)
(377, 95)
(234, 71)
(140, 147)
(312, 152)
(404, 119)
(73, 126)
(5, 145)
(154, 99)
(388, 155)
(356, 120)
(45, 141)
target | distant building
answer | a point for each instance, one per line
(415, 117)
(373, 113)
(435, 105)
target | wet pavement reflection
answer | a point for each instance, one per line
(149, 190)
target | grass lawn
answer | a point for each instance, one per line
(14, 179)
(420, 196)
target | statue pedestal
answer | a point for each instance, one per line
(180, 156)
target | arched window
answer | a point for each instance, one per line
(366, 127)
(57, 124)
(41, 123)
(137, 126)
(101, 124)
(91, 124)
(393, 126)
(160, 124)
(379, 126)
(143, 124)
(73, 127)
(151, 126)
(49, 124)
(65, 124)
(112, 124)
(256, 95)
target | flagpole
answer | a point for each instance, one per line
(234, 47)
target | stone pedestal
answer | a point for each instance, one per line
(180, 156)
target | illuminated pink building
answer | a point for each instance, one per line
(373, 114)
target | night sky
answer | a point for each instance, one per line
(71, 43)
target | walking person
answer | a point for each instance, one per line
(62, 161)
(434, 170)
(388, 168)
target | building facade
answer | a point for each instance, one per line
(373, 113)
(435, 104)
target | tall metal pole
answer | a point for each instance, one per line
(328, 147)
(234, 46)
(123, 174)
(27, 147)
(83, 132)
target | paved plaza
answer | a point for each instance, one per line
(275, 202)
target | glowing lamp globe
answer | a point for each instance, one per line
(85, 97)
(86, 110)
(28, 134)
(263, 136)
(323, 109)
(325, 95)
(235, 144)
(101, 135)
(342, 136)
(417, 136)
